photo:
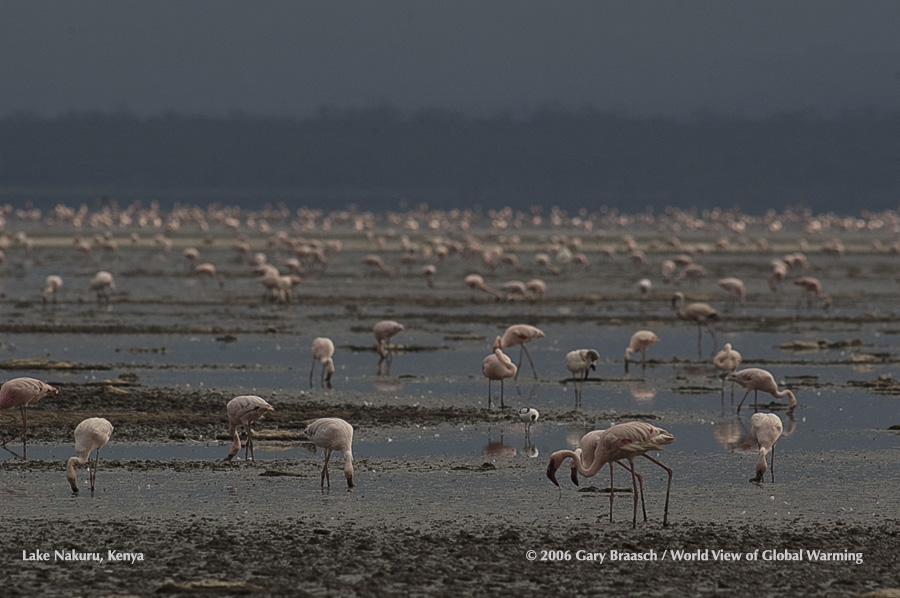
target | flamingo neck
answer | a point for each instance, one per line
(235, 440)
(71, 476)
(577, 456)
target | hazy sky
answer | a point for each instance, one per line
(290, 58)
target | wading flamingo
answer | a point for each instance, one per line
(383, 332)
(640, 341)
(727, 360)
(757, 379)
(812, 287)
(519, 334)
(701, 313)
(765, 429)
(323, 352)
(21, 392)
(734, 286)
(622, 441)
(243, 411)
(102, 283)
(497, 366)
(91, 434)
(51, 285)
(333, 434)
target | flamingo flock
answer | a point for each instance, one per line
(498, 292)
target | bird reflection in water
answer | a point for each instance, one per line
(495, 448)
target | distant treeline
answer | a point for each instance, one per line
(379, 158)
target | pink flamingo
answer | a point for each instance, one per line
(429, 271)
(640, 341)
(765, 429)
(727, 360)
(21, 392)
(497, 366)
(323, 352)
(476, 282)
(519, 334)
(102, 283)
(701, 313)
(383, 331)
(333, 434)
(208, 270)
(51, 285)
(757, 379)
(580, 362)
(813, 287)
(622, 441)
(244, 410)
(734, 286)
(91, 434)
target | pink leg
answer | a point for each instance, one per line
(668, 488)
(640, 480)
(612, 491)
(742, 400)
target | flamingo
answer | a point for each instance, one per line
(333, 434)
(244, 410)
(322, 351)
(734, 286)
(101, 283)
(765, 429)
(757, 379)
(91, 434)
(812, 287)
(51, 285)
(644, 285)
(497, 366)
(476, 282)
(622, 441)
(383, 331)
(727, 360)
(580, 362)
(640, 341)
(429, 271)
(519, 334)
(208, 270)
(21, 392)
(701, 313)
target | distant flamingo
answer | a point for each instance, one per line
(323, 352)
(333, 434)
(51, 285)
(519, 334)
(497, 366)
(765, 429)
(243, 411)
(813, 288)
(476, 282)
(640, 341)
(580, 362)
(727, 360)
(91, 434)
(208, 270)
(701, 313)
(383, 331)
(102, 283)
(622, 441)
(644, 286)
(757, 379)
(21, 392)
(429, 271)
(734, 286)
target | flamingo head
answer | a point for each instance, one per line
(551, 472)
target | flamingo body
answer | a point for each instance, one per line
(323, 352)
(243, 411)
(497, 366)
(765, 429)
(758, 379)
(22, 392)
(640, 342)
(333, 434)
(91, 434)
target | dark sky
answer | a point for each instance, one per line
(666, 58)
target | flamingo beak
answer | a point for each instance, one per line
(551, 474)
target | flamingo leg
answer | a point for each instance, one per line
(742, 400)
(668, 488)
(773, 463)
(250, 442)
(311, 370)
(612, 492)
(528, 355)
(325, 477)
(489, 392)
(634, 492)
(640, 480)
(712, 332)
(93, 470)
(502, 406)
